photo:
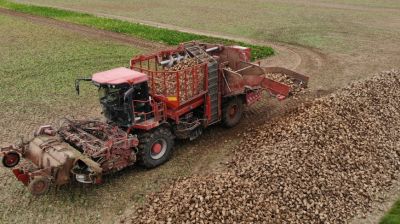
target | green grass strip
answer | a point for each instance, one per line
(166, 36)
(393, 216)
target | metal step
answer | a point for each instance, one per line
(215, 104)
(215, 92)
(212, 81)
(213, 88)
(212, 73)
(199, 53)
(212, 85)
(215, 99)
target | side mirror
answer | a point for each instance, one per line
(77, 89)
(77, 81)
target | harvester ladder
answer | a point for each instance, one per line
(198, 52)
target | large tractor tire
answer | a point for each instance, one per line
(232, 112)
(155, 147)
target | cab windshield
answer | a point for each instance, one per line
(114, 107)
(111, 95)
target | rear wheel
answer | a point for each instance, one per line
(232, 112)
(155, 147)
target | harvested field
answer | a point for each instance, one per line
(356, 38)
(322, 163)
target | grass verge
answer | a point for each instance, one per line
(166, 36)
(393, 216)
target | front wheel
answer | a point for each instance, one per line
(11, 159)
(155, 147)
(39, 185)
(232, 112)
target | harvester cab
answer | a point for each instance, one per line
(124, 95)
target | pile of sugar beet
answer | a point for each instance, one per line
(189, 84)
(324, 162)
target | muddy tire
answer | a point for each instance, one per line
(39, 185)
(155, 147)
(232, 112)
(11, 159)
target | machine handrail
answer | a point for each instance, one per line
(177, 86)
(158, 113)
(164, 71)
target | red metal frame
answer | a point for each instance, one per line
(175, 113)
(116, 145)
(152, 118)
(179, 91)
